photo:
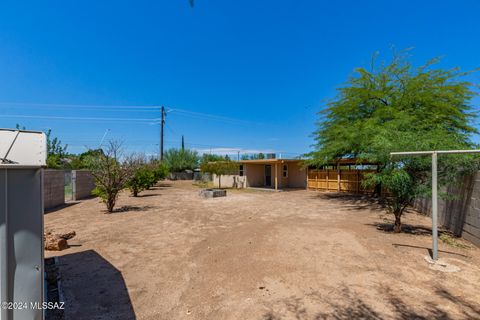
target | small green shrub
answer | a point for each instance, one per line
(141, 180)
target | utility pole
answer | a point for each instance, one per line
(183, 144)
(162, 124)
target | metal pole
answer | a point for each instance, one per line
(161, 133)
(434, 207)
(4, 250)
(434, 186)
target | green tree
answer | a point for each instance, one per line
(85, 159)
(145, 175)
(206, 157)
(56, 152)
(142, 178)
(397, 107)
(160, 170)
(257, 156)
(220, 168)
(178, 160)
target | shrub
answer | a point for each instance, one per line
(110, 174)
(143, 178)
(160, 171)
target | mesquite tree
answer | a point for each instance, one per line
(394, 106)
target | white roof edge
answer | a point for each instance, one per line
(22, 148)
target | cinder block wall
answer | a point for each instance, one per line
(84, 184)
(180, 176)
(53, 188)
(461, 215)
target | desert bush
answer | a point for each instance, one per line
(160, 171)
(143, 178)
(146, 175)
(111, 175)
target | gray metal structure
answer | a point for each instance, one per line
(22, 156)
(434, 155)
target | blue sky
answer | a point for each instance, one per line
(246, 75)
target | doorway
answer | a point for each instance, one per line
(268, 175)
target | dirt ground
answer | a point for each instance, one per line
(170, 254)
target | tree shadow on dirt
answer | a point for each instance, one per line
(146, 195)
(124, 209)
(418, 230)
(469, 310)
(349, 305)
(93, 288)
(412, 229)
(163, 185)
(353, 201)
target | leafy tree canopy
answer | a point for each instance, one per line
(394, 106)
(212, 157)
(178, 160)
(220, 168)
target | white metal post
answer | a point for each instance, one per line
(434, 187)
(434, 207)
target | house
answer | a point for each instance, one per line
(275, 174)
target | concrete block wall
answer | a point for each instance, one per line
(230, 181)
(461, 214)
(53, 188)
(83, 184)
(180, 176)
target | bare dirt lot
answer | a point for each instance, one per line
(170, 254)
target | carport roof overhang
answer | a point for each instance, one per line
(269, 161)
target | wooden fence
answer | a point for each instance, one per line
(340, 181)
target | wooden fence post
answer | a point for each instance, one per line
(358, 181)
(326, 181)
(338, 177)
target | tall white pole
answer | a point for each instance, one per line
(434, 206)
(434, 186)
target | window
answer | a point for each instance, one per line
(285, 171)
(241, 171)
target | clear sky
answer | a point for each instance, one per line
(247, 75)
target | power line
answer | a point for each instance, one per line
(51, 105)
(207, 116)
(79, 118)
(142, 108)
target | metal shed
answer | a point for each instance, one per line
(22, 157)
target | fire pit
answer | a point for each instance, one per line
(213, 193)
